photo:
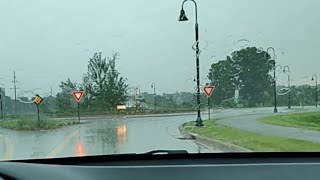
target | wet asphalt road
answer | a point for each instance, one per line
(96, 137)
(110, 136)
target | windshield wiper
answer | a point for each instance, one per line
(166, 152)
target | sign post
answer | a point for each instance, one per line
(77, 96)
(208, 91)
(38, 114)
(209, 107)
(37, 101)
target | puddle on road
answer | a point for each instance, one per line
(104, 137)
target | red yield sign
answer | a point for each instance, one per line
(77, 95)
(208, 90)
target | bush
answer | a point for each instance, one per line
(228, 103)
(29, 123)
(232, 103)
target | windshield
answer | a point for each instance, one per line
(80, 78)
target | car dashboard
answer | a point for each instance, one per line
(249, 166)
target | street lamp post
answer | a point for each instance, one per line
(289, 92)
(315, 77)
(137, 93)
(138, 88)
(274, 79)
(153, 85)
(183, 17)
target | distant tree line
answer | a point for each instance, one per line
(249, 71)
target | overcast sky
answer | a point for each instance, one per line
(47, 41)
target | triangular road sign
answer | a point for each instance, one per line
(77, 95)
(208, 90)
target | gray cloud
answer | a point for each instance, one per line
(48, 41)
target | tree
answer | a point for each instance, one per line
(64, 98)
(48, 106)
(247, 70)
(254, 78)
(116, 85)
(104, 83)
(95, 80)
(220, 75)
(305, 94)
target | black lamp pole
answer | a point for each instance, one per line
(315, 77)
(289, 93)
(274, 80)
(137, 93)
(138, 88)
(153, 85)
(183, 17)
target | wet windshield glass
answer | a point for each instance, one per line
(96, 77)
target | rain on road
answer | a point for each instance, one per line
(109, 136)
(96, 137)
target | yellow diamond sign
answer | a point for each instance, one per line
(38, 100)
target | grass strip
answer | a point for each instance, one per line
(310, 120)
(251, 140)
(30, 123)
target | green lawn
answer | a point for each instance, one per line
(309, 121)
(30, 123)
(250, 140)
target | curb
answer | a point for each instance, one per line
(215, 144)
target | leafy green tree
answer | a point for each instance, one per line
(221, 76)
(247, 70)
(64, 98)
(48, 106)
(254, 74)
(95, 80)
(104, 83)
(87, 87)
(116, 87)
(305, 95)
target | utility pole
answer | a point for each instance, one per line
(153, 85)
(1, 107)
(15, 91)
(51, 91)
(315, 77)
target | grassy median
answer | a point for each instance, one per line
(250, 140)
(30, 123)
(309, 120)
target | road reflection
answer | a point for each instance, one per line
(80, 151)
(122, 133)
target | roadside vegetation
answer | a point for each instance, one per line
(105, 88)
(309, 120)
(30, 123)
(250, 140)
